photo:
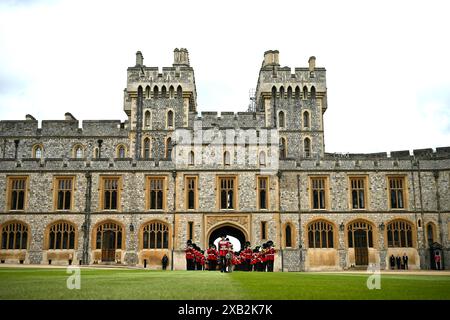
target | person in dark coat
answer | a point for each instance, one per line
(399, 262)
(392, 260)
(405, 261)
(165, 261)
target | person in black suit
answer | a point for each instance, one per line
(392, 260)
(405, 261)
(399, 262)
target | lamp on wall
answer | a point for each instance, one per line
(131, 227)
(341, 226)
(381, 226)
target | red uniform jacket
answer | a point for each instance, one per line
(223, 247)
(212, 254)
(248, 254)
(198, 256)
(271, 254)
(189, 253)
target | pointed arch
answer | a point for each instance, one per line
(313, 92)
(170, 119)
(431, 233)
(61, 235)
(305, 93)
(121, 151)
(289, 92)
(78, 151)
(169, 147)
(147, 148)
(171, 92)
(179, 92)
(307, 147)
(262, 158)
(147, 92)
(155, 92)
(281, 119)
(400, 234)
(38, 151)
(191, 158)
(147, 119)
(226, 158)
(15, 235)
(321, 234)
(283, 148)
(155, 234)
(297, 93)
(306, 120)
(281, 92)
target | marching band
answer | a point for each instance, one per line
(261, 258)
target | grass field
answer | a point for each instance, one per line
(29, 283)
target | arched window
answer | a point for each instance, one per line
(147, 148)
(281, 119)
(297, 93)
(96, 153)
(274, 94)
(305, 93)
(155, 235)
(163, 92)
(262, 158)
(179, 92)
(399, 234)
(306, 119)
(360, 234)
(191, 158)
(170, 119)
(320, 234)
(226, 158)
(281, 92)
(61, 236)
(288, 236)
(313, 92)
(147, 92)
(78, 152)
(283, 148)
(109, 234)
(289, 92)
(430, 233)
(37, 152)
(121, 151)
(155, 92)
(307, 147)
(171, 92)
(14, 236)
(169, 148)
(147, 119)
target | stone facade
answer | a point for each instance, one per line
(276, 141)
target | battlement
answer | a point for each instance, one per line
(429, 153)
(67, 127)
(231, 120)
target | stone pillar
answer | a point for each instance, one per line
(131, 257)
(342, 252)
(382, 250)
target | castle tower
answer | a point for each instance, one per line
(294, 103)
(157, 103)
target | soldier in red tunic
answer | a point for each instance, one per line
(189, 256)
(270, 256)
(212, 257)
(248, 258)
(223, 250)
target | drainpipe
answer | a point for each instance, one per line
(300, 246)
(279, 220)
(16, 145)
(438, 207)
(87, 219)
(421, 206)
(174, 176)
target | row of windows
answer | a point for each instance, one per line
(157, 93)
(62, 235)
(282, 120)
(111, 187)
(78, 151)
(170, 118)
(297, 94)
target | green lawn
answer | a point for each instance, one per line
(27, 283)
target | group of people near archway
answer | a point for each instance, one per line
(224, 258)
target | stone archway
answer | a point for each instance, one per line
(227, 230)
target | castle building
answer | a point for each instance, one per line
(112, 192)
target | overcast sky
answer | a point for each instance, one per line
(387, 62)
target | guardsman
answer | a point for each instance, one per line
(202, 260)
(212, 257)
(198, 259)
(189, 256)
(270, 256)
(264, 257)
(223, 250)
(248, 258)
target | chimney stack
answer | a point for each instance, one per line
(271, 58)
(312, 63)
(139, 59)
(180, 57)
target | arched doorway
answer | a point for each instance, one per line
(360, 237)
(237, 236)
(108, 238)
